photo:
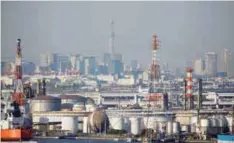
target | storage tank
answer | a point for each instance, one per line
(70, 124)
(169, 128)
(85, 125)
(185, 128)
(73, 99)
(152, 123)
(45, 104)
(214, 126)
(204, 126)
(80, 124)
(90, 107)
(175, 127)
(162, 127)
(229, 122)
(78, 107)
(117, 123)
(220, 124)
(98, 121)
(127, 124)
(135, 125)
(69, 100)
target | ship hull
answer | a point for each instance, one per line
(15, 134)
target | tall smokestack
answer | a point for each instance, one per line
(43, 86)
(38, 91)
(199, 99)
(185, 92)
(189, 87)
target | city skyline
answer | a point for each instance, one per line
(186, 30)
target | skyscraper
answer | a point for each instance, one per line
(211, 64)
(198, 66)
(90, 65)
(226, 60)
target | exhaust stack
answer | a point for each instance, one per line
(43, 87)
(199, 99)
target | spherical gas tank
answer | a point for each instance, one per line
(98, 121)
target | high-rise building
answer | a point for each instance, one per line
(47, 59)
(28, 67)
(117, 67)
(73, 59)
(90, 65)
(80, 66)
(134, 65)
(211, 65)
(198, 66)
(227, 62)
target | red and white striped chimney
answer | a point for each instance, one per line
(189, 82)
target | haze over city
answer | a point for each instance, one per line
(187, 30)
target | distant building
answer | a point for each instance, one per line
(102, 69)
(211, 64)
(117, 67)
(227, 63)
(73, 60)
(198, 66)
(90, 65)
(80, 66)
(28, 67)
(134, 65)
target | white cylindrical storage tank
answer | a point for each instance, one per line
(85, 125)
(175, 127)
(185, 128)
(127, 125)
(162, 127)
(135, 126)
(229, 122)
(78, 107)
(152, 123)
(70, 124)
(45, 104)
(117, 123)
(213, 130)
(220, 125)
(193, 120)
(169, 128)
(213, 122)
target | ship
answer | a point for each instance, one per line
(16, 124)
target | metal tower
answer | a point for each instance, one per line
(18, 94)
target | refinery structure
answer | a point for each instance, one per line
(158, 108)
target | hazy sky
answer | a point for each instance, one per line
(186, 29)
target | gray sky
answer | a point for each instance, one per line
(186, 29)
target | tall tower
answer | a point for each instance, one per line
(112, 38)
(155, 69)
(189, 95)
(18, 94)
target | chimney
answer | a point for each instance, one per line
(185, 92)
(199, 99)
(38, 91)
(43, 87)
